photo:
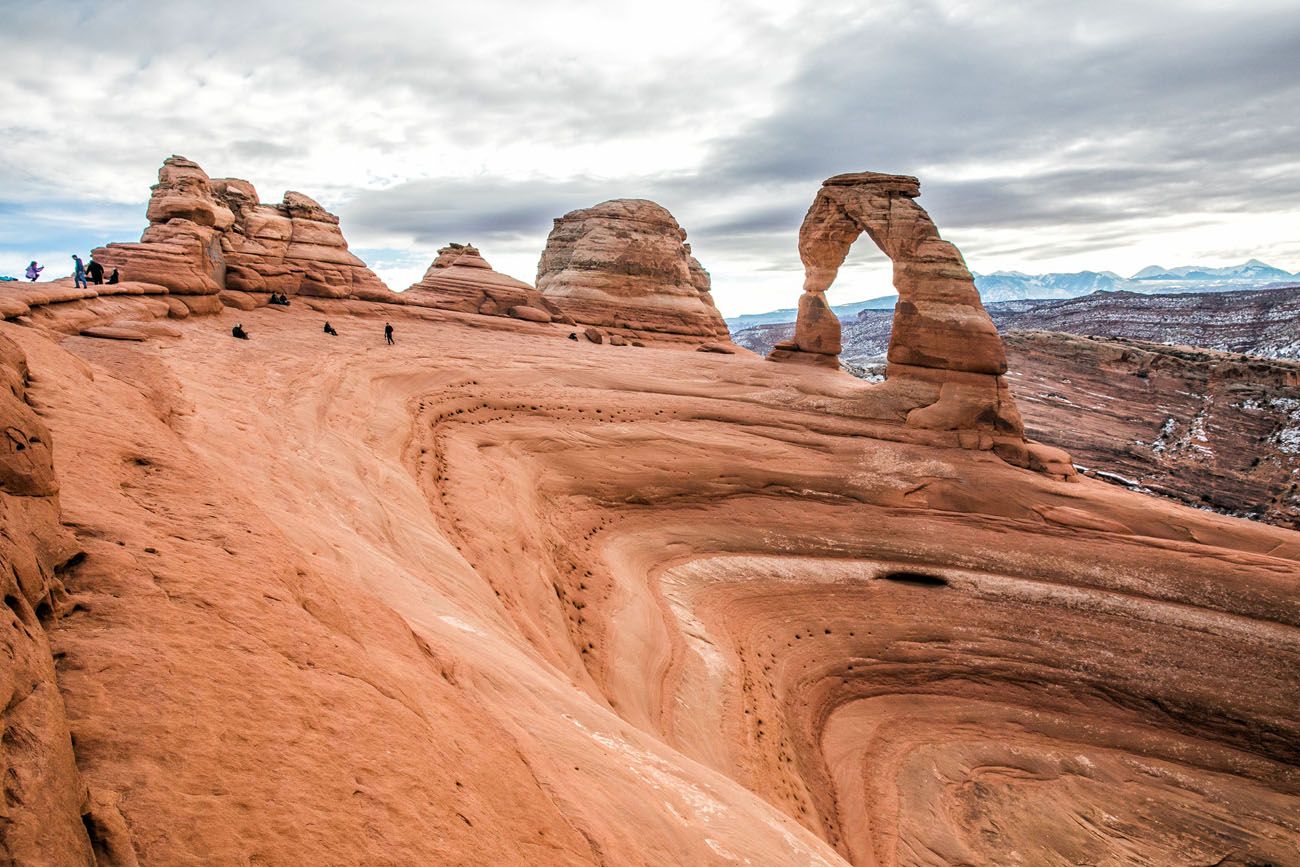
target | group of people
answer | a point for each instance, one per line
(82, 274)
(239, 332)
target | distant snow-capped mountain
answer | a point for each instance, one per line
(1254, 270)
(1013, 285)
(1016, 286)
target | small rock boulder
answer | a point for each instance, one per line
(529, 314)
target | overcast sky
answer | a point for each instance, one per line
(1048, 136)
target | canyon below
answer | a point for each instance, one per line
(565, 575)
(1195, 397)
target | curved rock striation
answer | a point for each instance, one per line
(586, 606)
(625, 264)
(207, 236)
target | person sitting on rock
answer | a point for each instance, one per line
(95, 272)
(113, 278)
(329, 329)
(78, 272)
(388, 333)
(238, 331)
(34, 271)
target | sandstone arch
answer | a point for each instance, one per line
(939, 322)
(946, 359)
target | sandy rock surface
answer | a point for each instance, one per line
(348, 603)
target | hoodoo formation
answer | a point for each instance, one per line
(461, 279)
(493, 596)
(625, 264)
(207, 237)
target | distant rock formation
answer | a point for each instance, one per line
(206, 236)
(946, 359)
(1211, 429)
(461, 279)
(625, 264)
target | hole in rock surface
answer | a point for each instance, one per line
(920, 579)
(16, 607)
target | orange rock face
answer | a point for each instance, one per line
(461, 279)
(206, 236)
(625, 264)
(45, 797)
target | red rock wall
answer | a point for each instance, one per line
(44, 798)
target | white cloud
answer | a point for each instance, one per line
(1047, 134)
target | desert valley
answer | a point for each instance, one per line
(566, 576)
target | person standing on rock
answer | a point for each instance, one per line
(78, 272)
(95, 272)
(388, 333)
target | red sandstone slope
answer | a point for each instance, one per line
(344, 603)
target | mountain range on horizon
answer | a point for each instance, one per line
(1018, 286)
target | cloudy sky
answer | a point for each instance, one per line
(1048, 136)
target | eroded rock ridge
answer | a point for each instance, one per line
(206, 236)
(461, 279)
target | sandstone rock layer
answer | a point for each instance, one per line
(625, 264)
(461, 279)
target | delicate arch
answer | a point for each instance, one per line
(939, 322)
